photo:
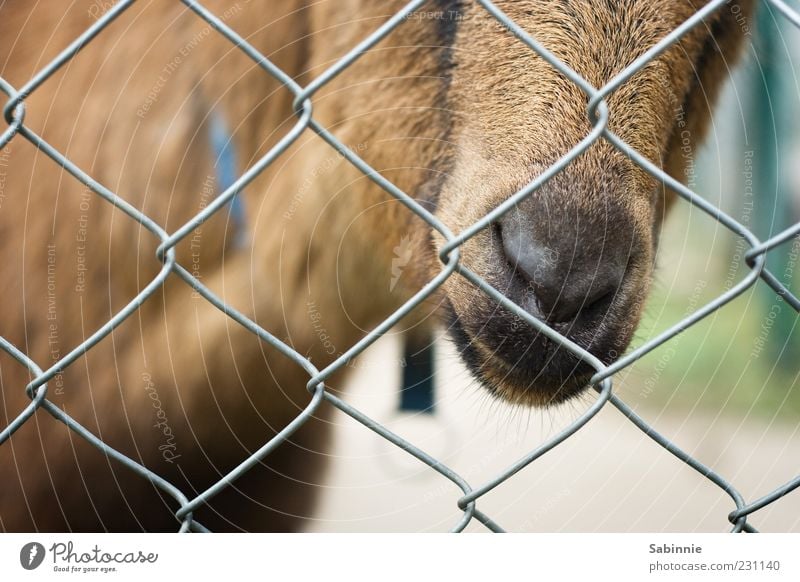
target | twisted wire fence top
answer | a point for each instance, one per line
(597, 112)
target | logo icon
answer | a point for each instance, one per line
(31, 555)
(402, 256)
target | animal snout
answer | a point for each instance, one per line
(570, 263)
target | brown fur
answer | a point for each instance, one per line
(461, 128)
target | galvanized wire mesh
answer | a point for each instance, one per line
(602, 381)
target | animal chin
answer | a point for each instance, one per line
(526, 368)
(518, 364)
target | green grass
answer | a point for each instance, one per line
(742, 358)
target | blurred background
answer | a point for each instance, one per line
(726, 390)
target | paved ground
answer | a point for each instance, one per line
(608, 477)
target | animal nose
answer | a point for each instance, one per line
(569, 270)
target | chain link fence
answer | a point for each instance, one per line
(602, 381)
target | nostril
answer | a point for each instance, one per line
(532, 260)
(576, 298)
(566, 282)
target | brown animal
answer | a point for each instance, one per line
(450, 107)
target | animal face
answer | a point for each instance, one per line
(579, 252)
